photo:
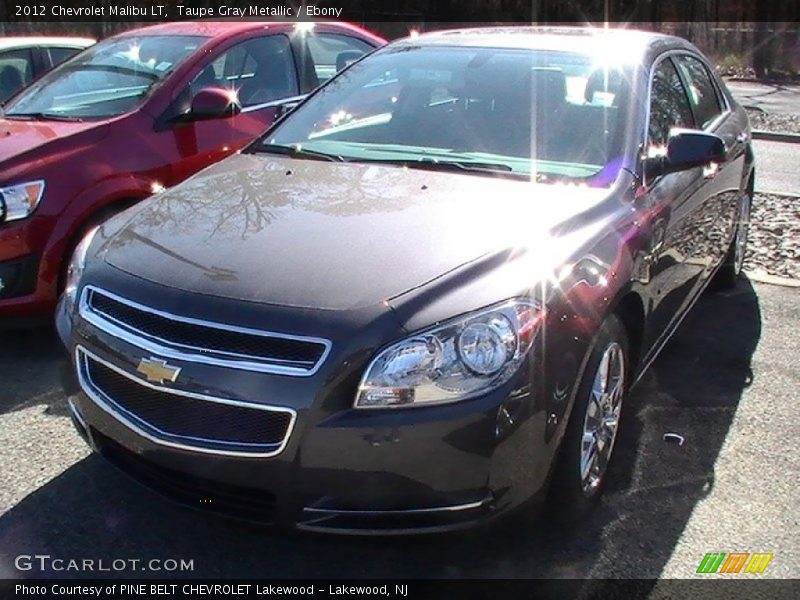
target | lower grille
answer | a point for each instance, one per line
(181, 419)
(18, 276)
(195, 492)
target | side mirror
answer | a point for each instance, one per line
(214, 103)
(686, 149)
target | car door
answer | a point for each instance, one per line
(330, 52)
(713, 115)
(16, 71)
(675, 204)
(55, 55)
(261, 71)
(321, 53)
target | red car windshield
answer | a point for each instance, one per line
(109, 79)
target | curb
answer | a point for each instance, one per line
(771, 136)
(765, 82)
(760, 277)
(784, 194)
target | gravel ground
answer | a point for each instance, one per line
(788, 123)
(774, 242)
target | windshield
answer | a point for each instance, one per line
(109, 79)
(544, 115)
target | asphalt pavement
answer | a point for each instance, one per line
(776, 98)
(777, 167)
(777, 162)
(728, 383)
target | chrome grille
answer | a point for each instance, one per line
(182, 419)
(196, 340)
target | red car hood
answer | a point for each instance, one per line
(18, 137)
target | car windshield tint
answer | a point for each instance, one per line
(544, 115)
(109, 79)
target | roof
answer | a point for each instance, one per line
(628, 45)
(201, 28)
(7, 43)
(234, 26)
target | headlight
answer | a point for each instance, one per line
(464, 357)
(19, 201)
(76, 265)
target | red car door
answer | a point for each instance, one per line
(261, 71)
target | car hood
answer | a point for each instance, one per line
(327, 235)
(25, 139)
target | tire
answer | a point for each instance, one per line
(731, 268)
(578, 480)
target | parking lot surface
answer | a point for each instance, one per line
(728, 383)
(778, 98)
(776, 169)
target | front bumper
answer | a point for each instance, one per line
(347, 475)
(27, 280)
(266, 493)
(341, 470)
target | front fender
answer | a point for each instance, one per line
(83, 210)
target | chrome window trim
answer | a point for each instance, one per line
(279, 102)
(675, 52)
(722, 100)
(112, 408)
(167, 349)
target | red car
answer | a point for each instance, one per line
(132, 115)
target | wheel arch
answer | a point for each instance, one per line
(629, 307)
(104, 212)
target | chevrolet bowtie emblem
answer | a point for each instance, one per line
(157, 371)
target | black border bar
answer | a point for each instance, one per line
(405, 11)
(714, 587)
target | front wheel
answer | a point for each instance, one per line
(592, 430)
(731, 268)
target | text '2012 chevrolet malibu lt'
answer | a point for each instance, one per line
(419, 300)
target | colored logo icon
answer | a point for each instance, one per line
(735, 562)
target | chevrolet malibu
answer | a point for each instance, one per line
(421, 299)
(137, 112)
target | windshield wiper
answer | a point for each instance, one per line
(116, 69)
(447, 165)
(296, 152)
(41, 116)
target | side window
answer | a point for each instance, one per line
(332, 52)
(702, 93)
(261, 70)
(59, 55)
(669, 106)
(16, 70)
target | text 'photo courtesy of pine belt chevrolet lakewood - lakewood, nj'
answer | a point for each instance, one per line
(358, 287)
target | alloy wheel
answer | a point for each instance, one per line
(601, 421)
